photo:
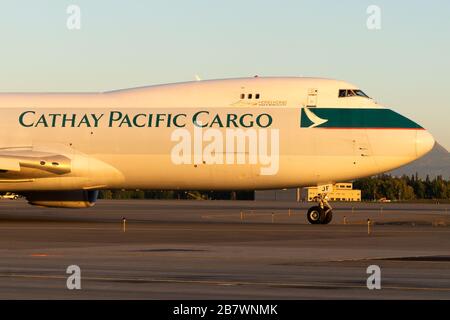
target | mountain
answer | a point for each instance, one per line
(435, 163)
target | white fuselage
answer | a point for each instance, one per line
(297, 132)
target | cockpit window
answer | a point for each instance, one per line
(352, 93)
(360, 93)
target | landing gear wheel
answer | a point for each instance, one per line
(314, 215)
(328, 217)
(320, 214)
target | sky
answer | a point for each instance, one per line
(404, 65)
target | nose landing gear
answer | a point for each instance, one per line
(322, 213)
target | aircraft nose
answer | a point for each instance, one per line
(424, 142)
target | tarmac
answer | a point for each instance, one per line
(224, 250)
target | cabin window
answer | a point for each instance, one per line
(250, 96)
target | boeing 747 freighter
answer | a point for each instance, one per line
(59, 149)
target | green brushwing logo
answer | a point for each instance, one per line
(361, 118)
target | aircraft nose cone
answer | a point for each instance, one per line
(424, 143)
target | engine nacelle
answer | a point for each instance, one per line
(63, 199)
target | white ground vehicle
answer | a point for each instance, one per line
(10, 196)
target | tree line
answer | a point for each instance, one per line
(403, 188)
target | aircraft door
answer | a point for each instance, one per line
(312, 97)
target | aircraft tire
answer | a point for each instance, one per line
(328, 217)
(314, 215)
